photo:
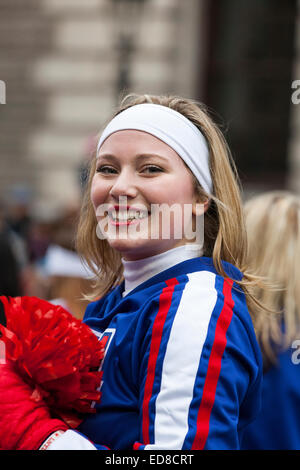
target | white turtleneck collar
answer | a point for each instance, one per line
(139, 271)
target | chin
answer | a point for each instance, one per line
(131, 249)
(127, 247)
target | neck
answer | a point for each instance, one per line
(139, 271)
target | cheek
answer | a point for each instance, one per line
(98, 192)
(185, 190)
(176, 192)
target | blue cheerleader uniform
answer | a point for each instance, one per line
(182, 367)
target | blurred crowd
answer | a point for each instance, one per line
(37, 255)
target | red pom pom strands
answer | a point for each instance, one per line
(55, 353)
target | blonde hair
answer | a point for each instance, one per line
(224, 228)
(71, 290)
(273, 226)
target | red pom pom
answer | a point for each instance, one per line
(57, 354)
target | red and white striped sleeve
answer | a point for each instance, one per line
(200, 361)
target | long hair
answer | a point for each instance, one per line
(273, 226)
(225, 236)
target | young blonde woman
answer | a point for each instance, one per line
(273, 224)
(182, 368)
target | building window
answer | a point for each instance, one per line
(248, 86)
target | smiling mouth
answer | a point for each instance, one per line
(127, 216)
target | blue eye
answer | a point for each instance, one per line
(105, 169)
(152, 169)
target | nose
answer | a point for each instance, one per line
(124, 185)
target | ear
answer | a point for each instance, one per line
(200, 206)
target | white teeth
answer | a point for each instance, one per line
(130, 215)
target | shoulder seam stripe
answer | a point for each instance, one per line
(214, 368)
(165, 300)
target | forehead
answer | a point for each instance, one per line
(133, 142)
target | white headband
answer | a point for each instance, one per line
(172, 128)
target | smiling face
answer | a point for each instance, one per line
(135, 174)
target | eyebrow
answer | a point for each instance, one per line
(142, 156)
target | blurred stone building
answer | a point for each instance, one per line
(65, 62)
